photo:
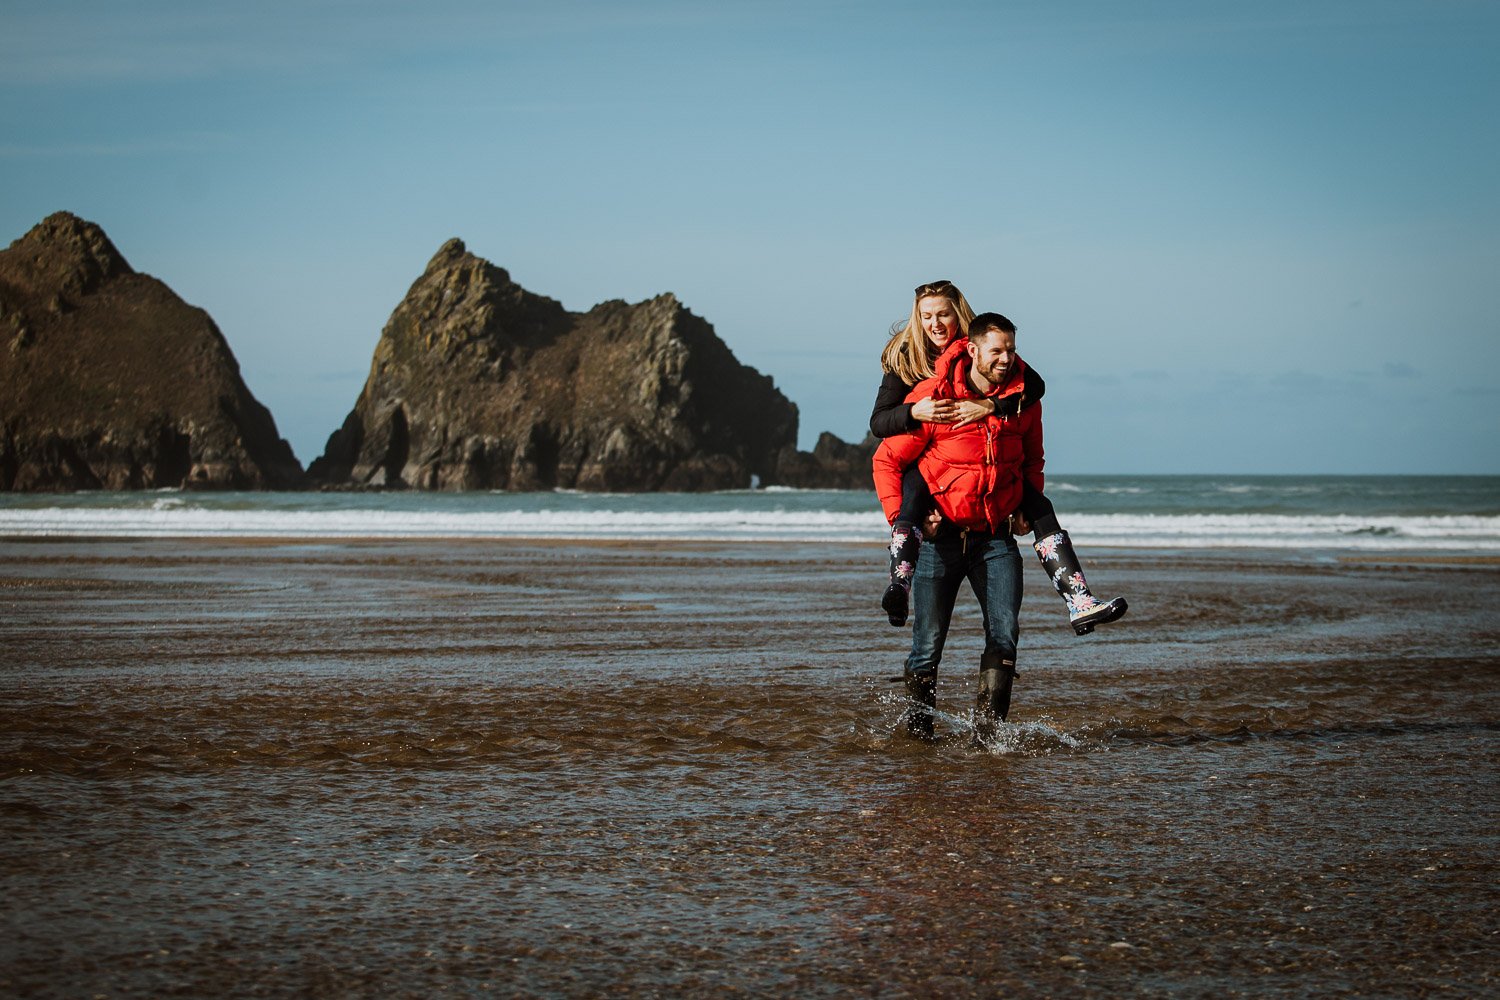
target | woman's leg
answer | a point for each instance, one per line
(1038, 511)
(1055, 550)
(906, 544)
(916, 497)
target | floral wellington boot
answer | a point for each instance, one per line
(1084, 609)
(906, 544)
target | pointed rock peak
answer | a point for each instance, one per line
(453, 257)
(448, 254)
(667, 306)
(79, 245)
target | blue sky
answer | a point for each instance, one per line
(1250, 238)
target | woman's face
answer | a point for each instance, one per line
(939, 320)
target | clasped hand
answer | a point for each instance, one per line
(949, 411)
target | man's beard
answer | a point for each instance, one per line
(997, 375)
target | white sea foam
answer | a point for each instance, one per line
(1287, 531)
(175, 518)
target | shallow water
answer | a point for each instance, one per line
(417, 768)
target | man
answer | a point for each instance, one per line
(975, 472)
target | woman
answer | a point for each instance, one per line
(938, 325)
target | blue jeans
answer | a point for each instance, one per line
(992, 565)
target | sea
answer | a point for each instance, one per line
(1450, 514)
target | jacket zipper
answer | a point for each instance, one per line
(991, 470)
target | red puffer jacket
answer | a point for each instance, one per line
(976, 471)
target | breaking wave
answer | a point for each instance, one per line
(744, 519)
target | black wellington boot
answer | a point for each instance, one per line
(922, 690)
(992, 705)
(1061, 563)
(906, 545)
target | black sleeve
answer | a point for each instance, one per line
(1035, 387)
(892, 413)
(1032, 389)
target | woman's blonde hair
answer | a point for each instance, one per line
(909, 354)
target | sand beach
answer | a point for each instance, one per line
(419, 767)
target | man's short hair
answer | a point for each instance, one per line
(985, 322)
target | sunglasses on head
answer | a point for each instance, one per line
(935, 288)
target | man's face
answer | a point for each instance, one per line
(994, 356)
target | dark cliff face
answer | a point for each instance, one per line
(109, 381)
(833, 464)
(477, 383)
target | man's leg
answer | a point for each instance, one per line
(940, 571)
(995, 575)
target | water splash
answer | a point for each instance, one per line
(1033, 738)
(1040, 737)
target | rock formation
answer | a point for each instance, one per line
(477, 383)
(108, 380)
(833, 464)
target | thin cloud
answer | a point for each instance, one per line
(203, 142)
(90, 43)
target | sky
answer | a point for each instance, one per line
(1236, 238)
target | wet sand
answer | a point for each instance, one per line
(563, 769)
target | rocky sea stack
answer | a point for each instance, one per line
(477, 383)
(108, 380)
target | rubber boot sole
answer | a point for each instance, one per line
(1102, 615)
